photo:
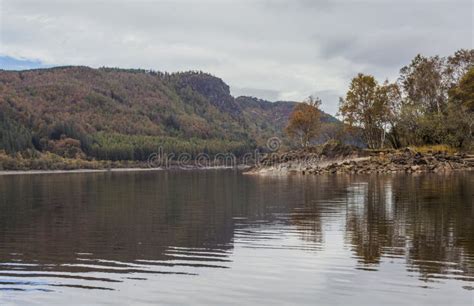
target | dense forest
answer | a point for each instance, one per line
(116, 114)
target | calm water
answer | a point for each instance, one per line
(218, 237)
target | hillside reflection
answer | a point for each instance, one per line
(106, 221)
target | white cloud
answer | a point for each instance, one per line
(286, 49)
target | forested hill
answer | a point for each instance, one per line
(119, 114)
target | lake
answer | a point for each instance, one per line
(215, 237)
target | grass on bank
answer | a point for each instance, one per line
(434, 148)
(50, 161)
(34, 160)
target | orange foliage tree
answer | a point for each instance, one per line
(304, 123)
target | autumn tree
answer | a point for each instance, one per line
(429, 112)
(462, 95)
(422, 81)
(460, 113)
(366, 107)
(304, 123)
(457, 66)
(389, 97)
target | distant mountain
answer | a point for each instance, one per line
(110, 113)
(269, 119)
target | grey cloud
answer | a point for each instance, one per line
(273, 49)
(266, 94)
(330, 100)
(384, 36)
(298, 4)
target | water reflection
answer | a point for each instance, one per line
(96, 231)
(426, 219)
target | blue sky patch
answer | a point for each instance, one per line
(10, 63)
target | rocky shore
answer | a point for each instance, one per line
(345, 159)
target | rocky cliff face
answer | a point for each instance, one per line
(212, 88)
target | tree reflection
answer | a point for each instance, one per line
(50, 220)
(427, 218)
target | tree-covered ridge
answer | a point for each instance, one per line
(119, 114)
(266, 120)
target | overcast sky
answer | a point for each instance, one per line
(271, 49)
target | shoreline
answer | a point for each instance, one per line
(23, 172)
(362, 162)
(33, 172)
